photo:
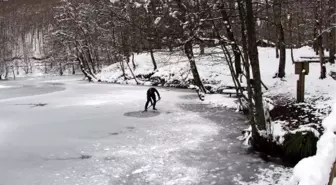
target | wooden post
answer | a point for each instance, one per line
(301, 88)
(302, 69)
(298, 91)
(332, 174)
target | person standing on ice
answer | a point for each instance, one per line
(151, 97)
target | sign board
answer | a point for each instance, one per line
(300, 67)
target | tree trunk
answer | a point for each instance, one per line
(190, 54)
(91, 61)
(170, 47)
(13, 72)
(319, 40)
(332, 34)
(6, 71)
(186, 34)
(45, 68)
(153, 58)
(123, 69)
(73, 69)
(267, 22)
(316, 25)
(300, 33)
(88, 61)
(25, 52)
(321, 54)
(281, 38)
(82, 67)
(254, 58)
(201, 45)
(332, 41)
(231, 37)
(277, 50)
(128, 61)
(17, 68)
(97, 59)
(60, 69)
(290, 25)
(246, 63)
(85, 67)
(282, 61)
(133, 62)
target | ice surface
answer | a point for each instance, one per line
(84, 134)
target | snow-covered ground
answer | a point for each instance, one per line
(318, 91)
(66, 131)
(174, 67)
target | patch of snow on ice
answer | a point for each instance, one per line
(221, 101)
(273, 175)
(5, 87)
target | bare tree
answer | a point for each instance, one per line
(254, 58)
(277, 6)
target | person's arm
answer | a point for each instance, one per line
(157, 92)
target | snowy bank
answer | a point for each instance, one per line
(316, 170)
(173, 70)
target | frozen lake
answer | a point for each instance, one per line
(64, 131)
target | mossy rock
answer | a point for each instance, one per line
(267, 146)
(299, 145)
(295, 147)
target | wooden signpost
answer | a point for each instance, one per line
(301, 69)
(332, 174)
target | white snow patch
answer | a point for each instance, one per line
(157, 20)
(141, 170)
(273, 175)
(5, 87)
(278, 131)
(218, 100)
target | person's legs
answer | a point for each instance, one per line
(154, 102)
(148, 100)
